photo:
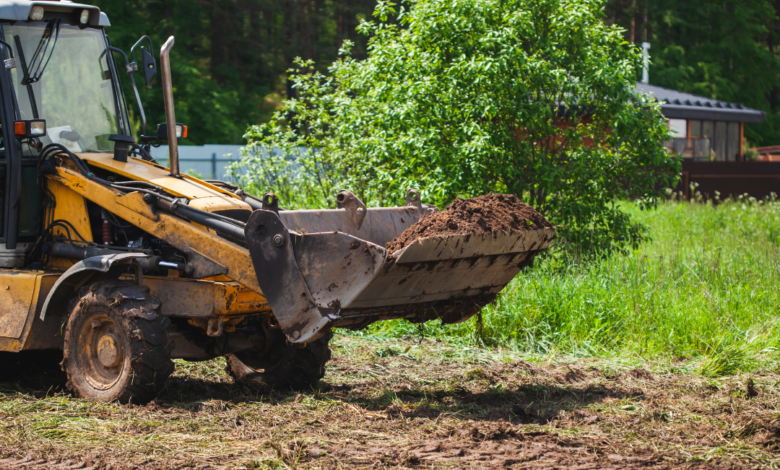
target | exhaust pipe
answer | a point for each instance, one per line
(170, 114)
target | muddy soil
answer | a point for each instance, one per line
(411, 404)
(478, 215)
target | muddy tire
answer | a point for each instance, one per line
(282, 366)
(116, 345)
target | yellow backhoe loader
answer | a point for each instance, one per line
(125, 264)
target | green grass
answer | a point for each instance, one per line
(705, 288)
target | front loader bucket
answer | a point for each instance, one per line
(326, 268)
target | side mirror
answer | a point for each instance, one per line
(147, 60)
(162, 131)
(150, 68)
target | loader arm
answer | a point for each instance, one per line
(206, 250)
(231, 258)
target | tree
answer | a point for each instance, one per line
(230, 57)
(462, 97)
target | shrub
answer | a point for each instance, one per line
(462, 97)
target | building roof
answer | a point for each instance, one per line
(19, 10)
(679, 105)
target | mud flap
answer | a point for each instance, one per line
(271, 248)
(81, 272)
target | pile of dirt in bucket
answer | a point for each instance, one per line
(477, 215)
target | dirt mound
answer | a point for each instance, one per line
(478, 215)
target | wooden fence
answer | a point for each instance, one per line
(757, 179)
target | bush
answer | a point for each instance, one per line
(459, 98)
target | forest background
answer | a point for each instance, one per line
(231, 57)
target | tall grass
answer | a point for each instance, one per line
(705, 287)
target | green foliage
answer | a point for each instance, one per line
(194, 174)
(230, 56)
(460, 98)
(698, 52)
(704, 288)
(287, 156)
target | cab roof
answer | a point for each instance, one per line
(19, 10)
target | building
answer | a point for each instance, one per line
(704, 129)
(709, 135)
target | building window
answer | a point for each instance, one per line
(734, 139)
(678, 127)
(714, 141)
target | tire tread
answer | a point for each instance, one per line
(150, 346)
(301, 369)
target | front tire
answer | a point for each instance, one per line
(116, 345)
(282, 365)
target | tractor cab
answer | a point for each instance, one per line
(59, 84)
(64, 76)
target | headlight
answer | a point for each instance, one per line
(36, 13)
(162, 131)
(31, 128)
(38, 128)
(84, 17)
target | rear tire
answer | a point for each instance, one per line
(283, 365)
(116, 345)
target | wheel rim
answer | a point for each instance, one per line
(100, 351)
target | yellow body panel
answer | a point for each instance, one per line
(16, 297)
(196, 298)
(72, 207)
(202, 195)
(69, 206)
(21, 298)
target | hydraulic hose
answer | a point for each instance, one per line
(205, 219)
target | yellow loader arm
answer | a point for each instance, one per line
(208, 253)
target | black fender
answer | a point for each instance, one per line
(71, 280)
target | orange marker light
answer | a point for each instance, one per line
(20, 128)
(184, 132)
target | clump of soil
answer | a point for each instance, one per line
(478, 215)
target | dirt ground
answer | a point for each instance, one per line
(407, 404)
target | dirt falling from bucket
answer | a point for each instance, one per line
(478, 215)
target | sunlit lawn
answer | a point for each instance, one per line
(704, 288)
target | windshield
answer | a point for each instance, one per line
(71, 86)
